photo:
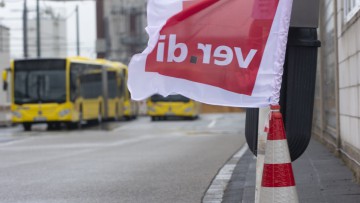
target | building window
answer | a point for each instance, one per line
(351, 7)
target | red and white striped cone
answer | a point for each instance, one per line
(278, 183)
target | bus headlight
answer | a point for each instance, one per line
(16, 114)
(64, 112)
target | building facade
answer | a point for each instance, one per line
(121, 28)
(337, 98)
(4, 58)
(53, 37)
(4, 64)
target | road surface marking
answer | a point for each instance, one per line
(215, 192)
(77, 145)
(212, 124)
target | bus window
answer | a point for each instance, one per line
(90, 86)
(112, 85)
(40, 81)
(76, 69)
(122, 85)
(160, 107)
(170, 98)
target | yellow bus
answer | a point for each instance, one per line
(131, 107)
(64, 90)
(160, 108)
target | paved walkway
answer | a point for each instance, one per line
(320, 177)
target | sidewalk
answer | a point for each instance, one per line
(320, 177)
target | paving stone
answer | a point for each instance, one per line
(320, 177)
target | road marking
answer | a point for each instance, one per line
(212, 124)
(215, 192)
(77, 145)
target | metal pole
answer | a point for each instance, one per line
(77, 31)
(38, 29)
(262, 136)
(321, 76)
(25, 30)
(100, 31)
(337, 94)
(105, 91)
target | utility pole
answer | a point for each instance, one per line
(77, 31)
(25, 30)
(105, 91)
(38, 42)
(100, 31)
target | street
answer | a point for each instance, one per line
(135, 161)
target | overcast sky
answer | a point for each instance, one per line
(11, 16)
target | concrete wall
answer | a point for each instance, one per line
(124, 22)
(53, 37)
(349, 85)
(337, 111)
(4, 63)
(4, 57)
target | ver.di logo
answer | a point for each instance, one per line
(219, 55)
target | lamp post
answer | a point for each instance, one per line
(38, 42)
(25, 30)
(77, 31)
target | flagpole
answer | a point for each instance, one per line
(261, 142)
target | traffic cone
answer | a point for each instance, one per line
(278, 183)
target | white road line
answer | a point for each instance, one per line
(212, 124)
(78, 145)
(215, 192)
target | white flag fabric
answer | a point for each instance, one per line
(221, 52)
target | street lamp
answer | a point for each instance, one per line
(38, 42)
(77, 31)
(25, 28)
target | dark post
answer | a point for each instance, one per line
(100, 26)
(38, 42)
(25, 30)
(77, 31)
(105, 88)
(298, 85)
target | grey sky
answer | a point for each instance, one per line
(11, 16)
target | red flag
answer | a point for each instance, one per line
(227, 52)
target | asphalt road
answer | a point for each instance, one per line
(137, 161)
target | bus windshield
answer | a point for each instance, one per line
(40, 81)
(170, 98)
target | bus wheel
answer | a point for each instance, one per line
(99, 119)
(71, 125)
(54, 126)
(27, 126)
